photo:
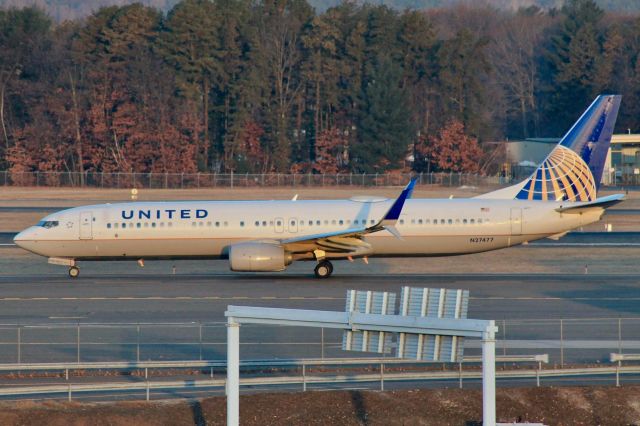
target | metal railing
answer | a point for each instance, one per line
(231, 180)
(306, 380)
(565, 340)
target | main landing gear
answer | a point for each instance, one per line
(74, 271)
(323, 269)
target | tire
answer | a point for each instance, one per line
(323, 269)
(74, 271)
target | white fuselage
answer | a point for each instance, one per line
(206, 229)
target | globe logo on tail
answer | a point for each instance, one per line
(563, 176)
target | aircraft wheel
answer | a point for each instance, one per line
(323, 269)
(74, 271)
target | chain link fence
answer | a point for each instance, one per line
(231, 180)
(567, 341)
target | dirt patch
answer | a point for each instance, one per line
(574, 406)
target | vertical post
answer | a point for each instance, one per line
(489, 376)
(322, 343)
(618, 374)
(19, 345)
(233, 372)
(381, 376)
(561, 343)
(504, 337)
(147, 390)
(200, 337)
(138, 344)
(460, 374)
(78, 345)
(304, 378)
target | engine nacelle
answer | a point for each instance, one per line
(258, 257)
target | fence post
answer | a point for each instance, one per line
(304, 378)
(138, 343)
(19, 345)
(322, 343)
(561, 343)
(200, 337)
(618, 374)
(78, 348)
(504, 337)
(381, 376)
(460, 374)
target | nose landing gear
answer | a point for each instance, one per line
(74, 271)
(323, 269)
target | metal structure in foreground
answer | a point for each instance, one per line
(356, 321)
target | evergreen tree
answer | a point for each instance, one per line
(574, 60)
(385, 129)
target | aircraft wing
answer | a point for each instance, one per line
(350, 240)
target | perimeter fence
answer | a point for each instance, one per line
(231, 180)
(567, 341)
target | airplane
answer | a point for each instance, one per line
(267, 236)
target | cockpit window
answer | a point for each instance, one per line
(48, 223)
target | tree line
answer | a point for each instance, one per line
(270, 85)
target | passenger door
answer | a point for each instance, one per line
(86, 226)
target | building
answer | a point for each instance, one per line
(621, 168)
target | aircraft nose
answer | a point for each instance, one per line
(21, 238)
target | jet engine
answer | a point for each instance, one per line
(258, 257)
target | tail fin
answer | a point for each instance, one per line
(573, 170)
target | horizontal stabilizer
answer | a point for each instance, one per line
(601, 203)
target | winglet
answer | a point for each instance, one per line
(394, 212)
(389, 220)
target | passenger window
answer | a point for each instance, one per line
(242, 223)
(401, 221)
(209, 224)
(161, 224)
(333, 222)
(115, 225)
(153, 224)
(464, 221)
(340, 222)
(293, 223)
(193, 224)
(264, 223)
(108, 226)
(326, 222)
(124, 225)
(472, 221)
(373, 222)
(138, 225)
(318, 222)
(146, 224)
(441, 221)
(170, 224)
(435, 221)
(419, 221)
(226, 223)
(479, 220)
(450, 221)
(413, 221)
(348, 221)
(427, 221)
(457, 221)
(217, 224)
(279, 223)
(257, 223)
(200, 223)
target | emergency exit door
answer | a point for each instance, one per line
(86, 225)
